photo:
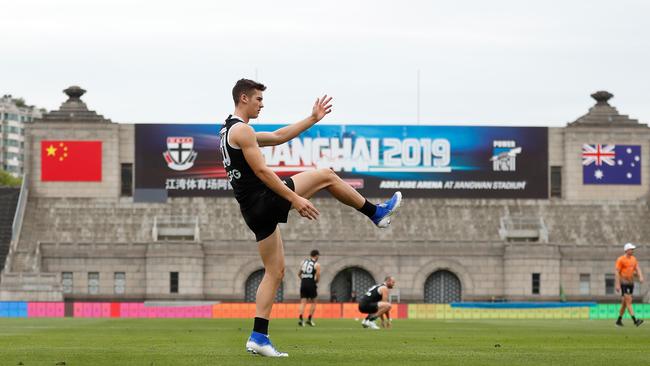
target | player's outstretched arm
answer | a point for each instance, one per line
(321, 108)
(639, 273)
(244, 136)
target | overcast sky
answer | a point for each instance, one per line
(481, 62)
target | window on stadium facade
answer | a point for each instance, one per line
(67, 282)
(93, 283)
(127, 179)
(120, 282)
(610, 284)
(173, 282)
(585, 283)
(556, 181)
(536, 280)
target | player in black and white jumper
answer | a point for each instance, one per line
(375, 303)
(265, 199)
(309, 274)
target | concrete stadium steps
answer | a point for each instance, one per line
(418, 220)
(8, 205)
(23, 261)
(100, 220)
(69, 220)
(119, 221)
(596, 223)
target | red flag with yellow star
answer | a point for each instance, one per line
(71, 161)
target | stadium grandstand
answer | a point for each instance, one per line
(105, 237)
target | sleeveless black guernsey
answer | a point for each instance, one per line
(373, 294)
(245, 184)
(261, 208)
(308, 273)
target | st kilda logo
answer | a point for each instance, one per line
(180, 154)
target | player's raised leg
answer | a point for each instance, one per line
(272, 253)
(310, 182)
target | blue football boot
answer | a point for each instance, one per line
(385, 210)
(260, 344)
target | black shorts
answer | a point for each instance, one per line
(308, 292)
(268, 209)
(627, 289)
(368, 307)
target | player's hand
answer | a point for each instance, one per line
(618, 289)
(305, 208)
(386, 323)
(321, 107)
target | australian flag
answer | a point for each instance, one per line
(611, 164)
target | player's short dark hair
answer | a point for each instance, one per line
(387, 278)
(245, 86)
(315, 252)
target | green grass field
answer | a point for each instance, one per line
(332, 342)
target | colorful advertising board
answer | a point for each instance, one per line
(421, 161)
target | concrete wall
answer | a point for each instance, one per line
(219, 270)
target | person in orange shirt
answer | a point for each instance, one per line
(626, 267)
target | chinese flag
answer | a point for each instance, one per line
(71, 161)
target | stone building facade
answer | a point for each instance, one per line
(91, 241)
